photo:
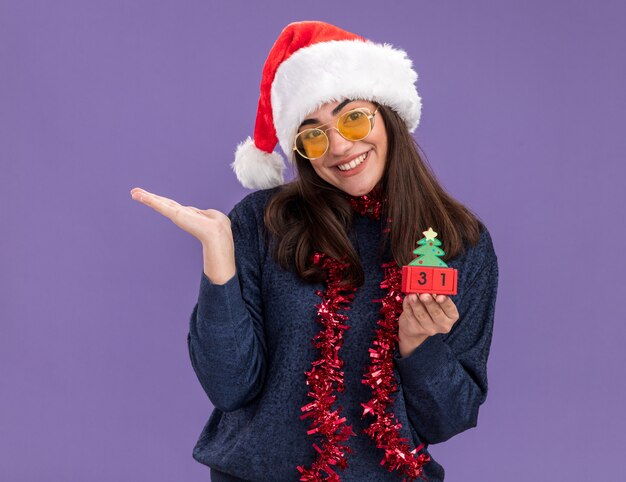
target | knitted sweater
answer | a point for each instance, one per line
(250, 344)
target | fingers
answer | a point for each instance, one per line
(167, 207)
(147, 197)
(210, 226)
(431, 316)
(447, 306)
(425, 312)
(414, 320)
(155, 201)
(197, 210)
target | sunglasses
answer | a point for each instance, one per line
(353, 125)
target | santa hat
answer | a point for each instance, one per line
(310, 64)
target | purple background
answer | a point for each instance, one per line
(523, 121)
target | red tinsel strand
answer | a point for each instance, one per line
(385, 429)
(326, 376)
(369, 205)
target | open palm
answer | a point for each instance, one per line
(210, 226)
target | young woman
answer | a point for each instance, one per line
(318, 367)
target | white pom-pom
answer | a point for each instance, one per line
(257, 169)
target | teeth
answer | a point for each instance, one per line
(353, 163)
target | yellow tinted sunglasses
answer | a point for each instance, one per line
(353, 125)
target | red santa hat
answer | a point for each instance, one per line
(310, 64)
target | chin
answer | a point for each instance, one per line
(356, 191)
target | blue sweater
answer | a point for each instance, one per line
(250, 344)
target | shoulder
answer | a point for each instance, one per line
(476, 258)
(253, 205)
(256, 201)
(483, 251)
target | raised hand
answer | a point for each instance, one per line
(209, 226)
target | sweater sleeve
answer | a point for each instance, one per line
(226, 338)
(445, 379)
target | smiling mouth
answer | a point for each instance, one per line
(353, 163)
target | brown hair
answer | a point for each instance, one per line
(309, 214)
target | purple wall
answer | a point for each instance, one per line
(523, 121)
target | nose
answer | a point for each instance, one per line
(338, 145)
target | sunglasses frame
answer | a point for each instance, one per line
(370, 116)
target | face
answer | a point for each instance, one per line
(355, 167)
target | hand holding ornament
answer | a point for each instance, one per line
(425, 312)
(423, 316)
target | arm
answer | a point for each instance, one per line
(226, 339)
(445, 378)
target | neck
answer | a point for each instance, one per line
(369, 204)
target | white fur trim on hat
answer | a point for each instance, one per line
(256, 169)
(337, 70)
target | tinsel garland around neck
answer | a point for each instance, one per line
(370, 205)
(326, 375)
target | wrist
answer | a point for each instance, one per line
(407, 345)
(218, 277)
(218, 268)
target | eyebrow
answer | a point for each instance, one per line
(334, 112)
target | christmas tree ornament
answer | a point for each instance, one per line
(428, 273)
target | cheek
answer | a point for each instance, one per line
(382, 149)
(319, 169)
(380, 140)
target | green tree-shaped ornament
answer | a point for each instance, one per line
(428, 251)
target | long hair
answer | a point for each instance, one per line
(309, 214)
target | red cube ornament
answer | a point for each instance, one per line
(428, 273)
